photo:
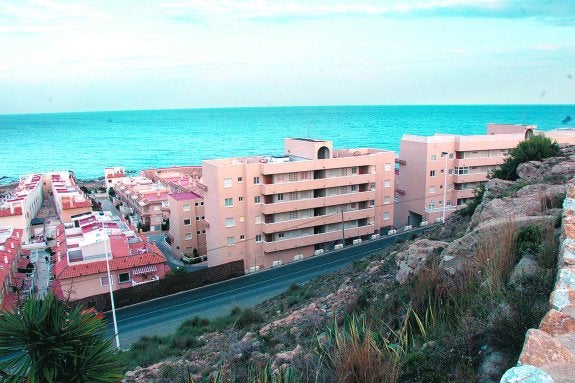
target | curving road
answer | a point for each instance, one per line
(163, 315)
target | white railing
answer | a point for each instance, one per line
(440, 209)
(154, 278)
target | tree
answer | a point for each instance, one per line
(536, 148)
(111, 192)
(47, 341)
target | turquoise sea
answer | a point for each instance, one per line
(88, 142)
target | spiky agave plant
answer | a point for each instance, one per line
(47, 341)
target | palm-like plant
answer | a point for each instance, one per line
(47, 341)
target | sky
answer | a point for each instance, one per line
(61, 56)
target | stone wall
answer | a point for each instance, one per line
(548, 353)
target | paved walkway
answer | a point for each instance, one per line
(42, 272)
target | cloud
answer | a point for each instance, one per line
(555, 11)
(40, 16)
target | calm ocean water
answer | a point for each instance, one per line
(88, 142)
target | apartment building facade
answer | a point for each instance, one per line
(12, 283)
(272, 210)
(113, 175)
(438, 174)
(187, 224)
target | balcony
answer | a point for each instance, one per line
(479, 161)
(321, 183)
(269, 228)
(471, 177)
(293, 243)
(310, 203)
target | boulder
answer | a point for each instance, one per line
(413, 259)
(526, 374)
(531, 171)
(526, 266)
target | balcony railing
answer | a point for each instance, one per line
(152, 279)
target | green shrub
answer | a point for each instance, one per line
(247, 318)
(474, 202)
(536, 148)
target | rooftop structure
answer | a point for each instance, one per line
(451, 167)
(268, 210)
(83, 246)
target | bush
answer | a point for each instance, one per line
(474, 202)
(536, 148)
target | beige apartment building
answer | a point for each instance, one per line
(187, 224)
(269, 210)
(69, 200)
(438, 174)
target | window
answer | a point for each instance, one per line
(188, 236)
(197, 204)
(354, 170)
(432, 173)
(229, 202)
(257, 199)
(124, 278)
(432, 189)
(292, 177)
(385, 215)
(203, 232)
(230, 241)
(387, 183)
(353, 188)
(387, 167)
(187, 222)
(240, 179)
(450, 171)
(186, 207)
(198, 232)
(371, 203)
(230, 222)
(104, 281)
(242, 237)
(242, 219)
(227, 182)
(258, 219)
(240, 199)
(433, 157)
(280, 197)
(450, 155)
(258, 237)
(281, 235)
(256, 180)
(386, 200)
(197, 218)
(202, 203)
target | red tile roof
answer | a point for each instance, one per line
(64, 271)
(7, 212)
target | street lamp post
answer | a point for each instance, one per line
(117, 336)
(444, 154)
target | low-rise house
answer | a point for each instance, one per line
(113, 175)
(19, 206)
(69, 200)
(146, 200)
(90, 240)
(13, 285)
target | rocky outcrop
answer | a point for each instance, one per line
(548, 353)
(529, 201)
(413, 259)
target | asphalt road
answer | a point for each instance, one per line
(162, 316)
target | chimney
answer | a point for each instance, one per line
(6, 259)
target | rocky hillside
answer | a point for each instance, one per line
(452, 305)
